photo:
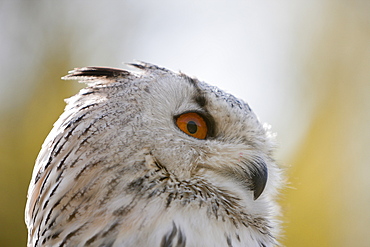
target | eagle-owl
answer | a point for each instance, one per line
(153, 158)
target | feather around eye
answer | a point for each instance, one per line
(192, 124)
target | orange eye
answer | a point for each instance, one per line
(192, 124)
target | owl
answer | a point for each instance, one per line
(153, 158)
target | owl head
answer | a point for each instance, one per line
(153, 158)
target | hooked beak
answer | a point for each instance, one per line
(258, 177)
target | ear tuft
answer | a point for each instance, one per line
(90, 74)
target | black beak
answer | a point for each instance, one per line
(259, 178)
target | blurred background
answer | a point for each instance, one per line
(303, 66)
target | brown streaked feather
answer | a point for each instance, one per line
(95, 72)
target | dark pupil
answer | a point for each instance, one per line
(192, 127)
